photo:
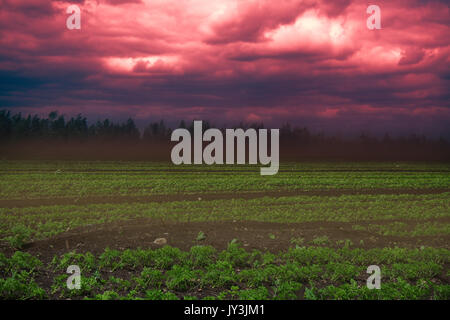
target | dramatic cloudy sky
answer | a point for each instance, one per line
(309, 62)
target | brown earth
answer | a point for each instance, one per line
(23, 203)
(201, 169)
(265, 236)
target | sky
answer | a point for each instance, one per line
(311, 63)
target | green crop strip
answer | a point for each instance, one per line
(318, 265)
(31, 180)
(234, 273)
(36, 223)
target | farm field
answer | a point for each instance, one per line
(308, 232)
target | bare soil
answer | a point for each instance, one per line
(265, 236)
(23, 203)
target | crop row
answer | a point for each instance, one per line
(234, 273)
(34, 223)
(32, 185)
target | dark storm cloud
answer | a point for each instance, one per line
(310, 62)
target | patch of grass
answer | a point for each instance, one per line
(20, 235)
(201, 236)
(322, 240)
(298, 241)
(21, 285)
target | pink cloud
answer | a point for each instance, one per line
(252, 60)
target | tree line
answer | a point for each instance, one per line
(17, 127)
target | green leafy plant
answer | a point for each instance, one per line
(20, 235)
(322, 240)
(201, 236)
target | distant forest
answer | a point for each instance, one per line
(57, 136)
